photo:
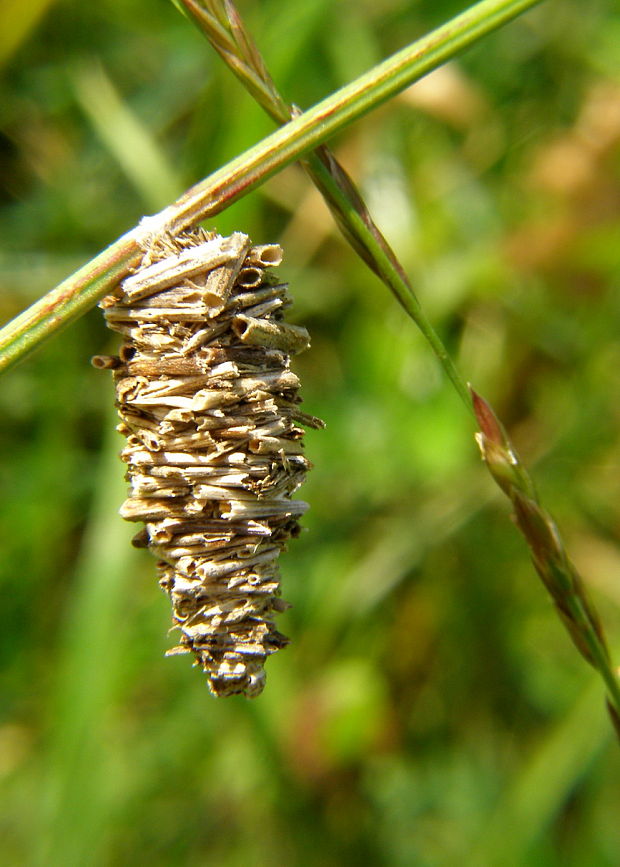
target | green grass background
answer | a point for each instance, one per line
(430, 709)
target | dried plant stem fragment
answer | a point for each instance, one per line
(214, 450)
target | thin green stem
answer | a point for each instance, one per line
(221, 23)
(391, 276)
(342, 108)
(598, 651)
(68, 301)
(81, 291)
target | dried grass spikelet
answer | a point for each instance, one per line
(214, 450)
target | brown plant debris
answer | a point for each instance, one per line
(210, 409)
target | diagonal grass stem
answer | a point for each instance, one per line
(222, 25)
(79, 292)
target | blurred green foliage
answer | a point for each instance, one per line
(430, 709)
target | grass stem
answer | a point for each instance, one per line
(211, 196)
